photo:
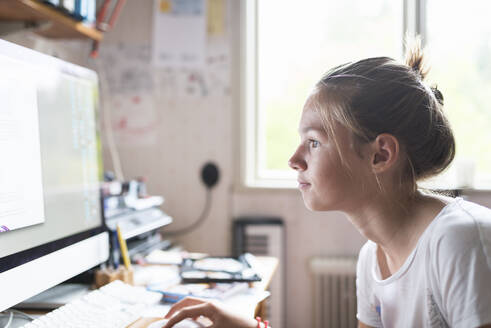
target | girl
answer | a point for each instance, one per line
(369, 131)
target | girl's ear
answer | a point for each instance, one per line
(385, 152)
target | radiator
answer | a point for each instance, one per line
(334, 282)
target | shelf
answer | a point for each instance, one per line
(60, 26)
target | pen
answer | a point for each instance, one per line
(115, 249)
(123, 248)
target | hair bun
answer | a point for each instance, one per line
(414, 57)
(438, 94)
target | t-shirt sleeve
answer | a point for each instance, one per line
(463, 270)
(366, 310)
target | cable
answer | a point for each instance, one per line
(198, 222)
(10, 320)
(22, 314)
(209, 176)
(113, 150)
(15, 313)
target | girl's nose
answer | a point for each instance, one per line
(296, 162)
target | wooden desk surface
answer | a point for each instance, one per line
(266, 268)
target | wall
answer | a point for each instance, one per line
(178, 130)
(190, 127)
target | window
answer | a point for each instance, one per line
(289, 44)
(459, 48)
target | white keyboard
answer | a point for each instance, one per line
(114, 305)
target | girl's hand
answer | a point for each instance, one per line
(193, 308)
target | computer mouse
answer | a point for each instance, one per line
(183, 324)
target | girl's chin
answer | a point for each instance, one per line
(315, 206)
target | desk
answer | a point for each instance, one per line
(266, 269)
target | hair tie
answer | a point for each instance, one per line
(259, 321)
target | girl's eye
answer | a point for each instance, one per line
(313, 143)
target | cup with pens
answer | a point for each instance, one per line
(116, 271)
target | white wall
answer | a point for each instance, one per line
(191, 129)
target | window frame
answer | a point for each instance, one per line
(250, 146)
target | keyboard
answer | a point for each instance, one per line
(115, 305)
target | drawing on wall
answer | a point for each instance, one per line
(195, 84)
(147, 82)
(218, 73)
(126, 67)
(166, 82)
(127, 72)
(179, 33)
(133, 119)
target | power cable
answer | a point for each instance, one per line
(197, 223)
(209, 176)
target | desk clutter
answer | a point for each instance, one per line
(144, 275)
(220, 291)
(128, 207)
(133, 218)
(202, 276)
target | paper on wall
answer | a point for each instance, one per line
(179, 34)
(216, 17)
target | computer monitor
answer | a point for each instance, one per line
(50, 173)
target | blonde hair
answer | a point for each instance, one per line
(379, 95)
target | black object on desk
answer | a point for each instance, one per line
(219, 270)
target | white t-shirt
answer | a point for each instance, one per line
(445, 282)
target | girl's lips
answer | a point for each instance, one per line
(303, 185)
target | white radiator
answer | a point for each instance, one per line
(334, 293)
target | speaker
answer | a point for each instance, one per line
(265, 236)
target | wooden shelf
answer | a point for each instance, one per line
(60, 26)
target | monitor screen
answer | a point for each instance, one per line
(50, 172)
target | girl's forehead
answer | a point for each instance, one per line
(310, 120)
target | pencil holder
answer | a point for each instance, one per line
(125, 275)
(105, 276)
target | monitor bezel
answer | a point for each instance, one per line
(22, 257)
